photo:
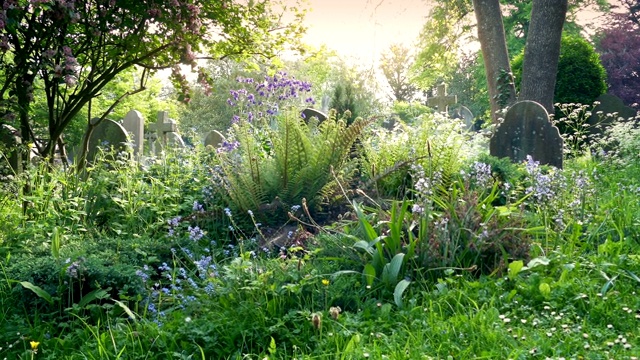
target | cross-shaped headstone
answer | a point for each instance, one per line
(442, 100)
(163, 126)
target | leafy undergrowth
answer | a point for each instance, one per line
(497, 263)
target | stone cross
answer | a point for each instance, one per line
(442, 100)
(163, 126)
(526, 130)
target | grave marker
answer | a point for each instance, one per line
(214, 138)
(133, 123)
(308, 113)
(609, 104)
(463, 113)
(526, 130)
(441, 101)
(106, 135)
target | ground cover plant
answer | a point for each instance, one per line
(476, 258)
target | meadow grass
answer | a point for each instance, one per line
(144, 262)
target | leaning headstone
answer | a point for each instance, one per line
(463, 113)
(308, 113)
(214, 138)
(133, 123)
(526, 130)
(108, 135)
(608, 104)
(174, 140)
(10, 143)
(442, 101)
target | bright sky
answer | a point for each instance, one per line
(360, 30)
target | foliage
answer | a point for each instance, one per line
(469, 84)
(581, 77)
(242, 92)
(276, 167)
(435, 142)
(409, 113)
(395, 64)
(440, 42)
(618, 46)
(69, 51)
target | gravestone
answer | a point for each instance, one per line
(609, 104)
(390, 122)
(133, 123)
(463, 113)
(324, 106)
(167, 136)
(163, 126)
(442, 101)
(214, 138)
(106, 136)
(526, 130)
(308, 113)
(10, 143)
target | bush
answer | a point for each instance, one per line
(581, 76)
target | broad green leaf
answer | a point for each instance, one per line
(95, 294)
(369, 274)
(539, 261)
(514, 268)
(544, 289)
(37, 290)
(399, 290)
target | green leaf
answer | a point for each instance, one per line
(55, 243)
(126, 309)
(399, 290)
(95, 294)
(369, 273)
(37, 290)
(392, 270)
(544, 289)
(272, 346)
(514, 268)
(608, 285)
(350, 348)
(539, 261)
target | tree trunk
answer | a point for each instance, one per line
(493, 43)
(542, 52)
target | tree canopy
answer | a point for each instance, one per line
(70, 50)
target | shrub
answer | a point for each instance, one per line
(581, 76)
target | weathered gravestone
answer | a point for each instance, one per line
(214, 138)
(10, 144)
(609, 104)
(133, 123)
(108, 135)
(442, 101)
(463, 113)
(526, 130)
(166, 133)
(308, 113)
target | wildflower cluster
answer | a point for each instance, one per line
(267, 96)
(178, 286)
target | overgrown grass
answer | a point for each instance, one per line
(497, 262)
